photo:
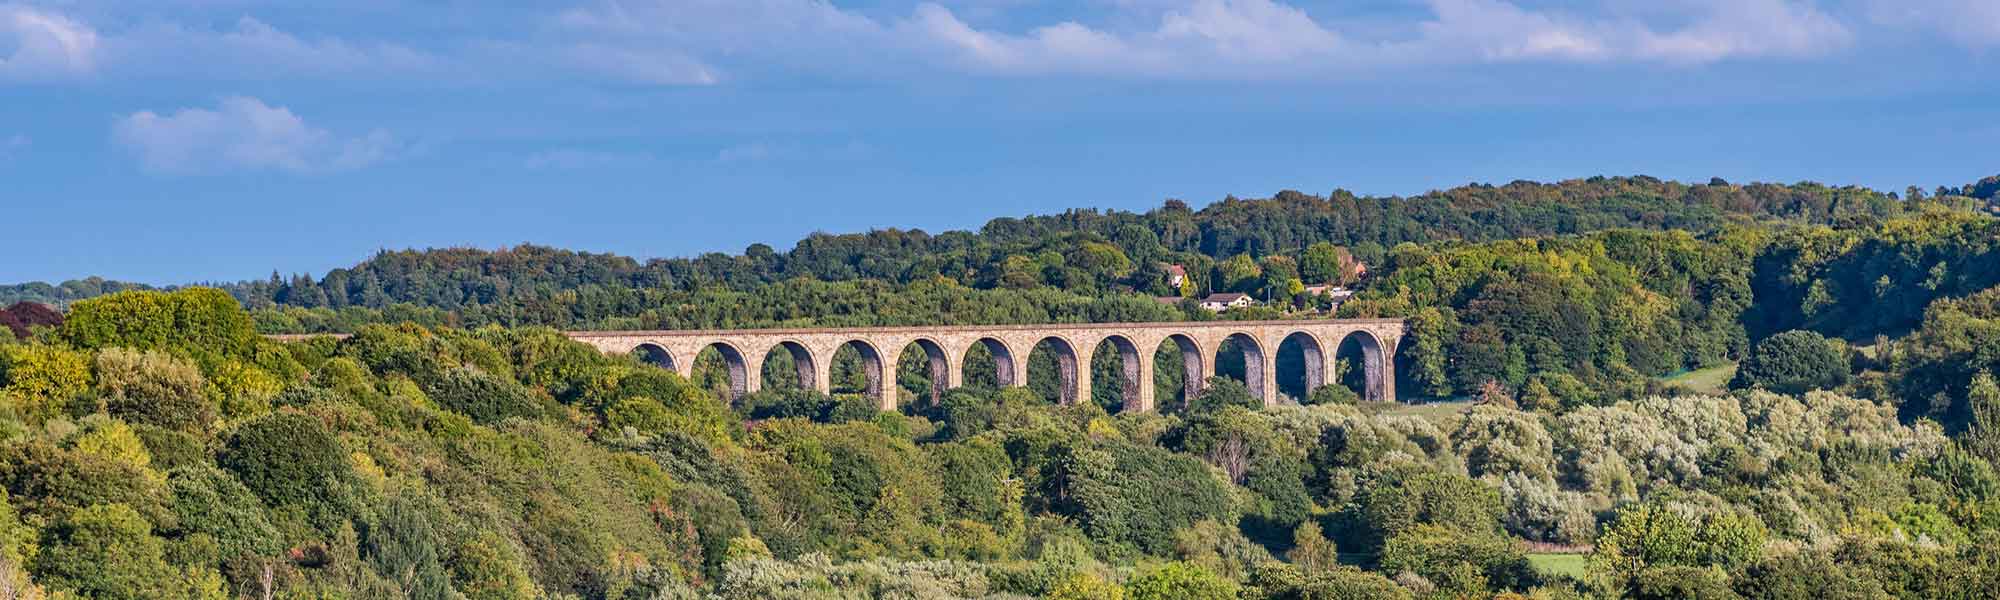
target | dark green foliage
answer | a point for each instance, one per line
(1137, 495)
(1791, 363)
(288, 458)
(973, 475)
(1456, 559)
(1403, 500)
(108, 552)
(1279, 581)
(401, 544)
(213, 505)
(1220, 392)
(486, 398)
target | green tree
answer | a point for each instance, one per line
(1792, 363)
(108, 551)
(1179, 581)
(1983, 398)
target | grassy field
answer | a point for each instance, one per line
(1712, 380)
(1572, 565)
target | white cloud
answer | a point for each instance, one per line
(764, 151)
(581, 158)
(254, 47)
(1220, 38)
(14, 145)
(43, 45)
(1715, 30)
(244, 133)
(1973, 23)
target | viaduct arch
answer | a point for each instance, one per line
(944, 349)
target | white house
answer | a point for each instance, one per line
(1226, 301)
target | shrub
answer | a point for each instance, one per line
(486, 398)
(287, 458)
(1179, 581)
(1333, 393)
(1139, 495)
(1085, 586)
(1465, 562)
(1279, 581)
(210, 503)
(201, 322)
(108, 552)
(1219, 392)
(41, 380)
(1792, 362)
(155, 389)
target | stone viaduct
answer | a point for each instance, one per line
(945, 348)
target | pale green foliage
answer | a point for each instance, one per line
(1983, 398)
(1179, 581)
(154, 388)
(1540, 510)
(38, 380)
(815, 577)
(1085, 586)
(1496, 442)
(1311, 550)
(1654, 534)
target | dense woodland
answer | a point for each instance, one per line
(153, 445)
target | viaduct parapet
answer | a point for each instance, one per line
(945, 349)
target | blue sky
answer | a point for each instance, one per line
(180, 140)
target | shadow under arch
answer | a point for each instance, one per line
(656, 355)
(1177, 369)
(735, 371)
(1301, 365)
(842, 367)
(801, 360)
(1246, 362)
(931, 363)
(1000, 359)
(1063, 354)
(1362, 344)
(1123, 362)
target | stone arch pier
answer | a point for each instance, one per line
(945, 348)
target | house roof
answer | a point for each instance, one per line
(1225, 298)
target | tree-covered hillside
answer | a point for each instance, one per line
(153, 446)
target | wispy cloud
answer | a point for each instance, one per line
(37, 44)
(1224, 38)
(13, 146)
(762, 151)
(1973, 23)
(583, 158)
(244, 133)
(707, 42)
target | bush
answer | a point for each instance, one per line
(201, 322)
(287, 458)
(211, 504)
(155, 389)
(1179, 581)
(108, 552)
(1139, 495)
(1280, 581)
(1219, 392)
(41, 380)
(1792, 362)
(1333, 393)
(486, 398)
(1446, 557)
